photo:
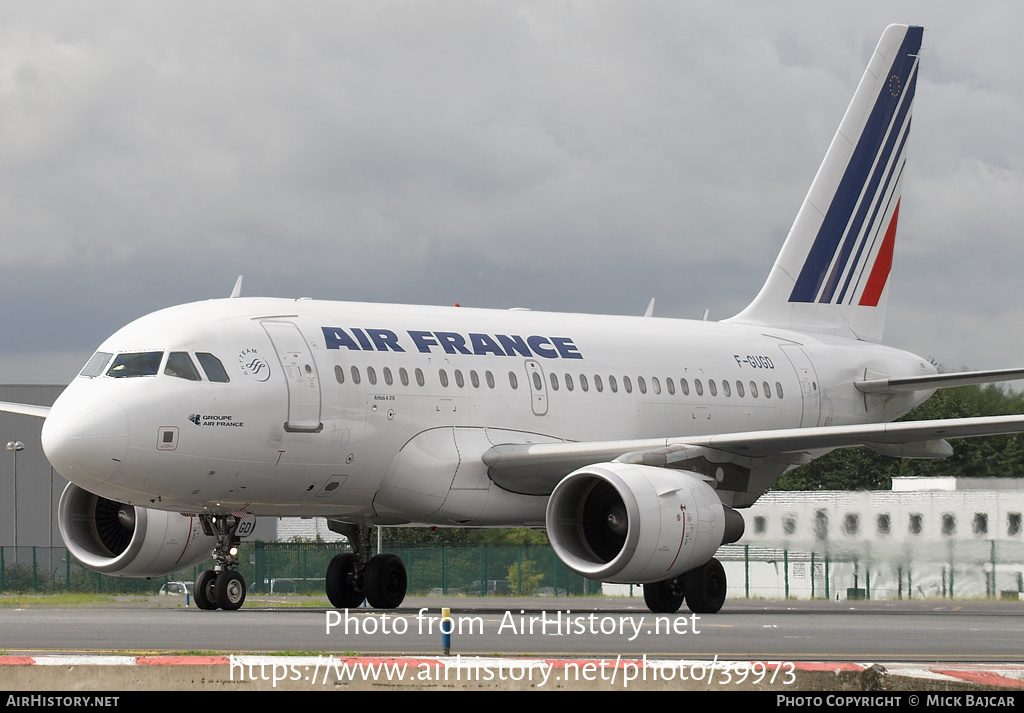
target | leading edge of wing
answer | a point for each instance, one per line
(538, 467)
(25, 409)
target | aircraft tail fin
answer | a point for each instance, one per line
(832, 273)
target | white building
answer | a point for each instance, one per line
(927, 537)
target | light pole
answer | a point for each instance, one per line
(14, 447)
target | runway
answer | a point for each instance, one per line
(908, 631)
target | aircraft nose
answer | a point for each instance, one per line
(88, 443)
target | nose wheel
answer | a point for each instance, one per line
(222, 587)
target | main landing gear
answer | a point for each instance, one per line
(354, 576)
(703, 589)
(221, 587)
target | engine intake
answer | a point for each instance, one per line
(115, 538)
(620, 522)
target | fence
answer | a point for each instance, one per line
(298, 568)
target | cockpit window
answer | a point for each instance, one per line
(212, 366)
(96, 365)
(136, 364)
(180, 364)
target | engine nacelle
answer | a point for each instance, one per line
(114, 538)
(619, 522)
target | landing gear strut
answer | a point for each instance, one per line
(221, 587)
(354, 576)
(703, 589)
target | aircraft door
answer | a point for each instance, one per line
(810, 395)
(538, 389)
(300, 374)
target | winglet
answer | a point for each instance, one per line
(238, 288)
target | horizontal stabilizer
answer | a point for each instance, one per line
(937, 381)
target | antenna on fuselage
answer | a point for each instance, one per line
(237, 291)
(650, 309)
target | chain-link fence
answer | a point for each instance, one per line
(298, 568)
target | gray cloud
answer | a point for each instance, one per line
(564, 156)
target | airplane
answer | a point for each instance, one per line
(633, 441)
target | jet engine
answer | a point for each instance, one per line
(126, 540)
(620, 522)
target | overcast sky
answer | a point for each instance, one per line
(569, 156)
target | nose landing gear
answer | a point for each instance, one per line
(221, 587)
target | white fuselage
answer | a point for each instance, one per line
(323, 399)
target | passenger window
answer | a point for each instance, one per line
(767, 391)
(613, 385)
(179, 364)
(671, 386)
(339, 374)
(388, 378)
(553, 378)
(403, 376)
(778, 389)
(627, 384)
(568, 382)
(136, 364)
(583, 382)
(512, 380)
(597, 383)
(96, 365)
(753, 390)
(684, 386)
(371, 375)
(355, 375)
(538, 383)
(443, 375)
(698, 386)
(460, 381)
(490, 379)
(712, 387)
(641, 384)
(739, 388)
(420, 381)
(474, 379)
(213, 368)
(726, 389)
(656, 385)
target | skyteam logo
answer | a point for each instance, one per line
(196, 419)
(253, 366)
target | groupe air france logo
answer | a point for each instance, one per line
(200, 419)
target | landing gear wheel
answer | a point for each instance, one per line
(664, 597)
(230, 590)
(340, 581)
(203, 591)
(705, 588)
(386, 581)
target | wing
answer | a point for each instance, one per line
(535, 468)
(25, 409)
